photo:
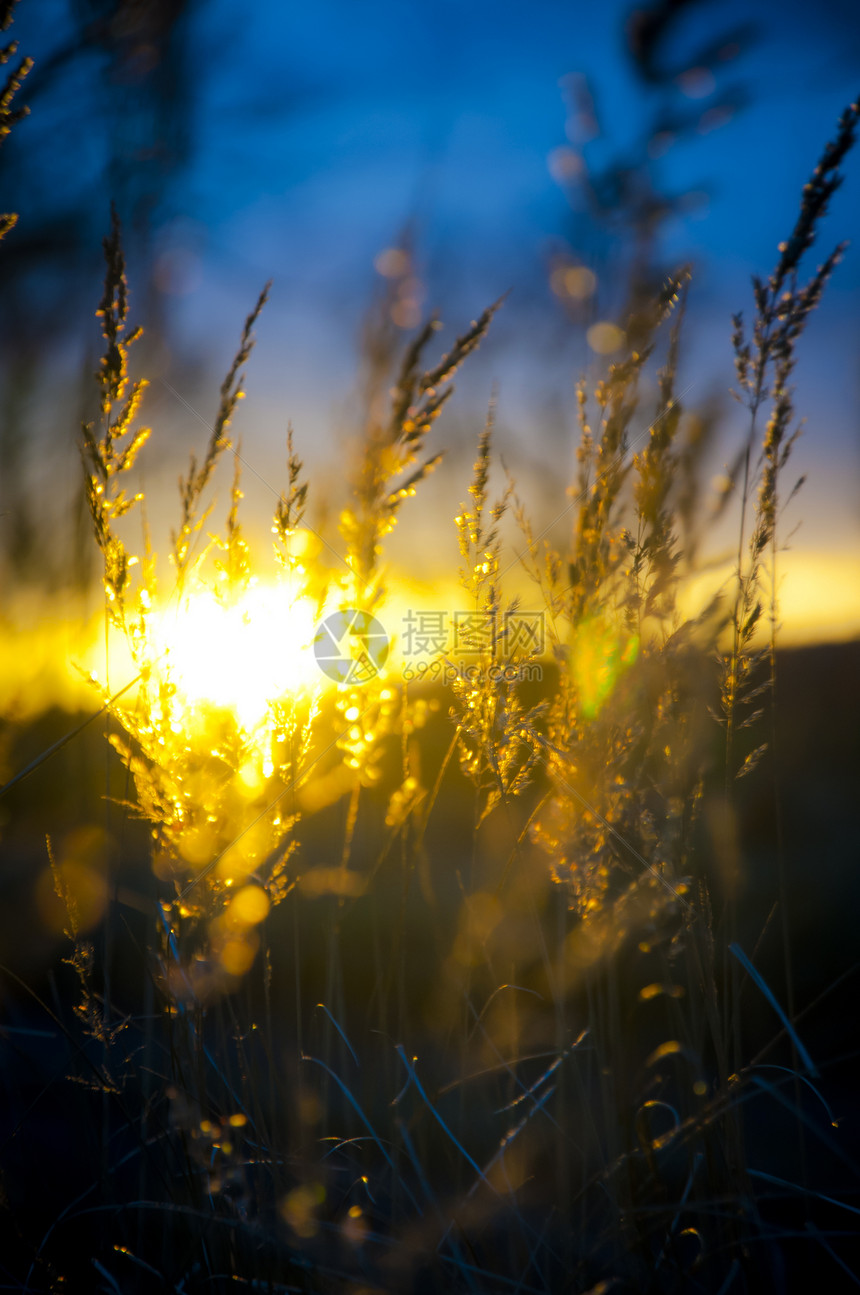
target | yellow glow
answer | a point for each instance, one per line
(580, 282)
(819, 596)
(237, 956)
(261, 648)
(250, 906)
(240, 656)
(300, 1209)
(575, 281)
(605, 337)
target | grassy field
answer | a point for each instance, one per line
(515, 955)
(544, 1167)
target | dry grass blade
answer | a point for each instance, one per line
(386, 474)
(191, 488)
(105, 457)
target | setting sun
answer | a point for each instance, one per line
(240, 655)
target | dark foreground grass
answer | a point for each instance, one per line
(505, 1107)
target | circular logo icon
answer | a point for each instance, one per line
(350, 646)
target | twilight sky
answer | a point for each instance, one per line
(319, 131)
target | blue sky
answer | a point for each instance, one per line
(354, 119)
(321, 129)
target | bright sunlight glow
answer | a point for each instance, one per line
(241, 655)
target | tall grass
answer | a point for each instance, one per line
(443, 988)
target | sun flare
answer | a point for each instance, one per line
(243, 654)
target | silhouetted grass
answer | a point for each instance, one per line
(440, 988)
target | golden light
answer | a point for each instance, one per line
(576, 281)
(580, 282)
(240, 655)
(818, 593)
(300, 1209)
(605, 337)
(250, 906)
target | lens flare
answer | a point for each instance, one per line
(598, 658)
